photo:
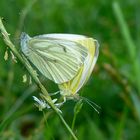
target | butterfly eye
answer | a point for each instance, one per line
(24, 37)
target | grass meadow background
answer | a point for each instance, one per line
(114, 84)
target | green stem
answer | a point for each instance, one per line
(129, 42)
(70, 130)
(31, 71)
(77, 109)
(73, 121)
(16, 106)
(23, 16)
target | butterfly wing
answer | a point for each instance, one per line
(85, 71)
(58, 60)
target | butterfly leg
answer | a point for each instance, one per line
(61, 103)
(55, 93)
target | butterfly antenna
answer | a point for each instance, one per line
(92, 104)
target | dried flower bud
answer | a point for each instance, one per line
(6, 55)
(13, 57)
(24, 80)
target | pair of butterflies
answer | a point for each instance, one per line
(66, 59)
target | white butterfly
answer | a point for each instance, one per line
(69, 90)
(71, 87)
(66, 59)
(57, 59)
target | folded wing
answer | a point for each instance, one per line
(58, 60)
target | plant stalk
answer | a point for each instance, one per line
(129, 42)
(33, 74)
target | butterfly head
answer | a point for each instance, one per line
(24, 38)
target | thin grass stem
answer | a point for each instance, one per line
(33, 74)
(129, 43)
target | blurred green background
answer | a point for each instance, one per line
(114, 84)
